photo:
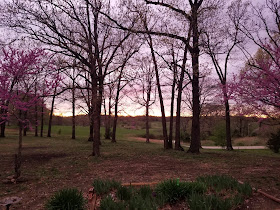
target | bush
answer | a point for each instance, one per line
(219, 135)
(274, 142)
(102, 187)
(185, 136)
(66, 199)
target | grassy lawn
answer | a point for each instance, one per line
(50, 164)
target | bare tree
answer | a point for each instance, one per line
(76, 29)
(221, 37)
(142, 89)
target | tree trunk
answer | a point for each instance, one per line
(163, 118)
(147, 123)
(90, 138)
(18, 155)
(25, 124)
(179, 100)
(3, 127)
(116, 108)
(172, 109)
(95, 117)
(108, 121)
(195, 133)
(228, 131)
(36, 112)
(73, 112)
(36, 119)
(3, 123)
(42, 119)
(51, 115)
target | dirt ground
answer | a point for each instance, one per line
(263, 173)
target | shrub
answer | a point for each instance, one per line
(66, 199)
(102, 187)
(274, 142)
(219, 135)
(185, 136)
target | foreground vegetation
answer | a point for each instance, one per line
(51, 164)
(207, 192)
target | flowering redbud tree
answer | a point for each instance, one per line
(19, 72)
(258, 84)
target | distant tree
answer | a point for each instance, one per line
(220, 39)
(143, 92)
(123, 78)
(21, 67)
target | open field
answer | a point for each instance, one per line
(50, 164)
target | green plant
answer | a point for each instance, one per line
(145, 192)
(172, 191)
(273, 142)
(102, 187)
(185, 136)
(208, 202)
(109, 204)
(124, 193)
(139, 203)
(219, 135)
(66, 199)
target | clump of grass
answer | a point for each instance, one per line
(223, 182)
(208, 202)
(173, 190)
(139, 203)
(145, 192)
(225, 192)
(109, 204)
(124, 193)
(66, 199)
(102, 187)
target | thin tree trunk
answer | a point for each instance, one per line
(18, 156)
(147, 119)
(179, 100)
(116, 108)
(73, 112)
(163, 118)
(195, 133)
(108, 121)
(25, 124)
(51, 115)
(228, 131)
(42, 119)
(172, 109)
(36, 112)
